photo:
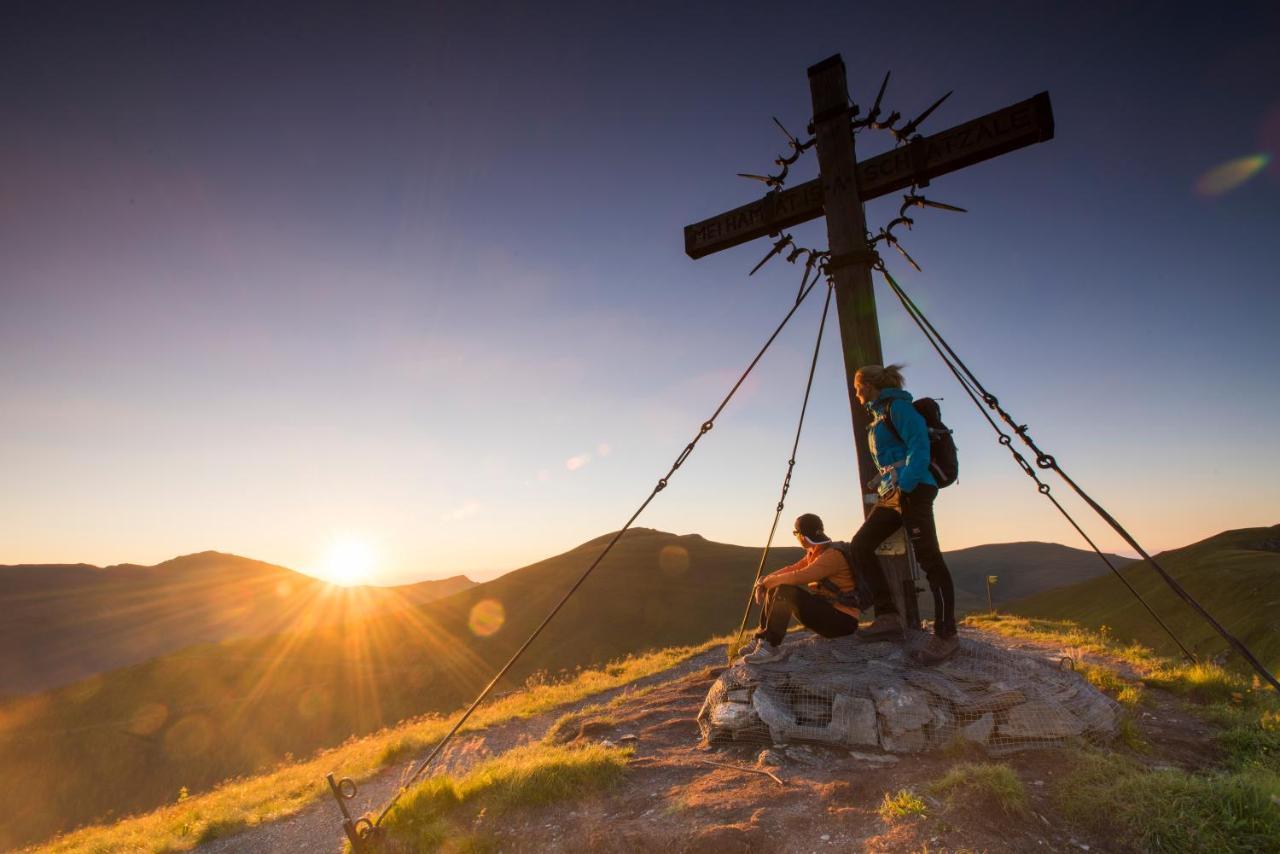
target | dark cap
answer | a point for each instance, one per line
(809, 525)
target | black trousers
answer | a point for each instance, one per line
(813, 612)
(917, 515)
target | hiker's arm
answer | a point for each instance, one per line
(826, 564)
(915, 435)
(771, 580)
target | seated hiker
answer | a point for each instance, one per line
(817, 590)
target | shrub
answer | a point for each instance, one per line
(901, 804)
(1169, 810)
(527, 776)
(973, 784)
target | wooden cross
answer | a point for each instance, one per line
(841, 187)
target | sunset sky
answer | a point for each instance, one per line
(275, 278)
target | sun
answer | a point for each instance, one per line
(349, 561)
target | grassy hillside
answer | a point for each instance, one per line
(195, 718)
(1196, 767)
(67, 622)
(1235, 575)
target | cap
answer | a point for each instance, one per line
(809, 526)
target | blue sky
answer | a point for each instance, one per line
(414, 277)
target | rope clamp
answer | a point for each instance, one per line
(869, 257)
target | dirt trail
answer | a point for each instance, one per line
(318, 828)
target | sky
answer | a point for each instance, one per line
(408, 280)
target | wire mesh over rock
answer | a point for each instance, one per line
(860, 694)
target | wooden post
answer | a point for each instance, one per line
(850, 269)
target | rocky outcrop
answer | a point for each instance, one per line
(857, 694)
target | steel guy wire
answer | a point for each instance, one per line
(791, 464)
(975, 389)
(661, 485)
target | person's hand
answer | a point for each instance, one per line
(758, 592)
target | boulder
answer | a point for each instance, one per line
(980, 730)
(849, 693)
(853, 721)
(1040, 720)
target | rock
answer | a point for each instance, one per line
(996, 700)
(1038, 719)
(770, 757)
(980, 730)
(849, 693)
(911, 741)
(901, 708)
(733, 716)
(803, 754)
(874, 758)
(939, 686)
(853, 721)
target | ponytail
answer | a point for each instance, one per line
(889, 376)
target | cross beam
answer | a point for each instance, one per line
(841, 187)
(983, 138)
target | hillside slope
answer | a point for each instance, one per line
(67, 622)
(1235, 575)
(620, 768)
(211, 712)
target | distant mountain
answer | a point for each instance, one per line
(209, 712)
(1235, 575)
(67, 622)
(1021, 569)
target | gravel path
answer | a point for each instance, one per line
(318, 826)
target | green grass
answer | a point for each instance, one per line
(537, 774)
(1235, 575)
(973, 785)
(250, 801)
(1170, 810)
(900, 805)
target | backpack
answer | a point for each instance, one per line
(860, 597)
(944, 461)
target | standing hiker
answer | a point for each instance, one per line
(899, 441)
(812, 590)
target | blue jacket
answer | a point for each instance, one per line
(913, 448)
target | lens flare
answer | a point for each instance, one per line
(673, 560)
(189, 737)
(487, 617)
(148, 718)
(1226, 177)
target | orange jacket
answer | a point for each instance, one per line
(819, 562)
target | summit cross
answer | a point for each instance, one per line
(841, 187)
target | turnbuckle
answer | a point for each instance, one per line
(362, 833)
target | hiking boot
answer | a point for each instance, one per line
(748, 648)
(883, 627)
(938, 649)
(764, 653)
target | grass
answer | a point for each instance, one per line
(1171, 810)
(974, 785)
(250, 801)
(441, 807)
(900, 805)
(1235, 575)
(1202, 682)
